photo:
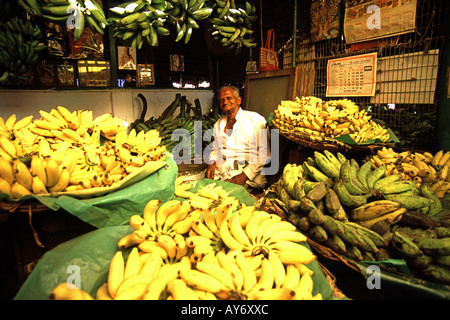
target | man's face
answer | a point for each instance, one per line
(228, 102)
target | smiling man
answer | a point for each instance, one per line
(240, 147)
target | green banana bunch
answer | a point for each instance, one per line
(19, 48)
(354, 209)
(233, 26)
(139, 21)
(76, 14)
(184, 16)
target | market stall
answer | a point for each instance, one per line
(107, 121)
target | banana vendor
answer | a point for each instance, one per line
(240, 148)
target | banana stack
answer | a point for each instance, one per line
(355, 210)
(313, 119)
(425, 250)
(139, 22)
(423, 168)
(232, 26)
(75, 14)
(20, 45)
(206, 247)
(63, 151)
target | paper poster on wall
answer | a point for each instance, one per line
(325, 19)
(353, 76)
(126, 57)
(372, 19)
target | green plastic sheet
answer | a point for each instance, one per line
(90, 255)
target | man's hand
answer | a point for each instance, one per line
(240, 179)
(210, 171)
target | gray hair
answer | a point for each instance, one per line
(233, 88)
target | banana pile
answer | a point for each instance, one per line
(167, 123)
(206, 247)
(64, 151)
(357, 211)
(140, 21)
(316, 208)
(232, 26)
(75, 14)
(20, 45)
(423, 168)
(425, 249)
(313, 119)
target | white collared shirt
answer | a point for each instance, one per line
(248, 144)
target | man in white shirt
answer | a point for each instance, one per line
(240, 147)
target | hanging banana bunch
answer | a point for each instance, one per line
(140, 21)
(20, 46)
(76, 15)
(184, 17)
(232, 26)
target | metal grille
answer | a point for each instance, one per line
(406, 107)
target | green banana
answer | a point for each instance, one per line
(397, 187)
(347, 199)
(436, 206)
(348, 179)
(386, 180)
(325, 165)
(409, 202)
(405, 245)
(374, 175)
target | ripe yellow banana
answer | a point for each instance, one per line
(62, 182)
(168, 244)
(279, 270)
(23, 174)
(155, 289)
(37, 168)
(251, 229)
(9, 123)
(133, 288)
(7, 170)
(52, 171)
(38, 186)
(231, 267)
(8, 146)
(217, 272)
(304, 289)
(65, 291)
(210, 220)
(139, 223)
(133, 264)
(293, 253)
(149, 213)
(152, 266)
(287, 235)
(202, 281)
(103, 293)
(228, 239)
(292, 278)
(180, 291)
(237, 231)
(275, 294)
(164, 210)
(247, 271)
(199, 227)
(18, 190)
(276, 227)
(132, 239)
(116, 273)
(5, 187)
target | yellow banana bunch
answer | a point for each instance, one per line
(63, 149)
(421, 167)
(310, 118)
